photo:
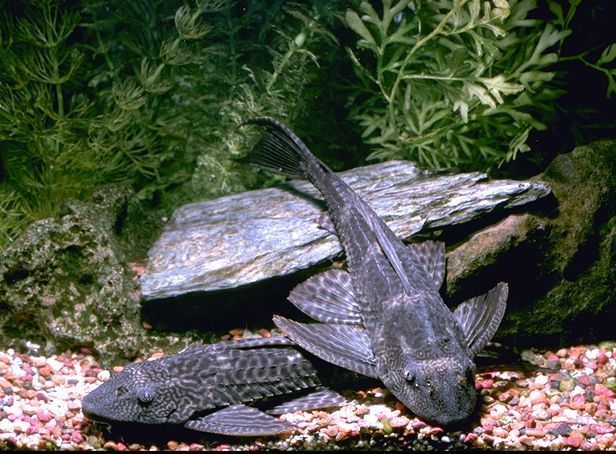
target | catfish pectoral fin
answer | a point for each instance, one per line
(328, 297)
(343, 345)
(240, 420)
(480, 316)
(431, 254)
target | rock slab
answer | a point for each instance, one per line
(249, 237)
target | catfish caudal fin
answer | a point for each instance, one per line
(479, 317)
(279, 150)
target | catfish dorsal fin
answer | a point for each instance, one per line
(378, 227)
(480, 316)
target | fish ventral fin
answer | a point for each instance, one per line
(278, 149)
(323, 398)
(431, 254)
(328, 298)
(480, 316)
(240, 420)
(343, 345)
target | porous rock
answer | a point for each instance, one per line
(64, 283)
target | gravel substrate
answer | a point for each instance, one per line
(567, 403)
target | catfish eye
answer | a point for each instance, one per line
(145, 395)
(430, 385)
(121, 390)
(410, 377)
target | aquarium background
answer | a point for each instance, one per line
(151, 94)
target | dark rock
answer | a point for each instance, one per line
(560, 265)
(563, 430)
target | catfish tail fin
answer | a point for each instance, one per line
(280, 150)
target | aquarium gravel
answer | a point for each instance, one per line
(567, 402)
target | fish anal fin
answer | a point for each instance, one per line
(343, 345)
(327, 297)
(479, 317)
(431, 254)
(240, 420)
(323, 398)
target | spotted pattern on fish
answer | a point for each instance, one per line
(208, 387)
(391, 322)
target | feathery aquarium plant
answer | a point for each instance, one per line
(215, 63)
(60, 139)
(147, 93)
(457, 83)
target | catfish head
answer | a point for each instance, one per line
(427, 366)
(440, 390)
(140, 394)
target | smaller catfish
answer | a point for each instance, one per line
(213, 388)
(384, 317)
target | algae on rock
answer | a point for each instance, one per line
(560, 264)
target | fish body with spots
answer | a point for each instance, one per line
(383, 316)
(230, 388)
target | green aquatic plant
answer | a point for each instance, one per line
(456, 83)
(59, 139)
(148, 93)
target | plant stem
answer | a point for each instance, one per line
(407, 59)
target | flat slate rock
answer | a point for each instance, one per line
(244, 238)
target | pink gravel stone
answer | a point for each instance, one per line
(470, 437)
(577, 402)
(331, 431)
(76, 437)
(537, 433)
(537, 396)
(487, 384)
(573, 442)
(601, 429)
(43, 416)
(602, 359)
(417, 424)
(45, 371)
(500, 432)
(527, 441)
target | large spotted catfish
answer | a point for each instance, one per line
(384, 317)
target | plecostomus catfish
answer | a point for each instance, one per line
(384, 317)
(215, 388)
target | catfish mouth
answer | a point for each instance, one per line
(94, 409)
